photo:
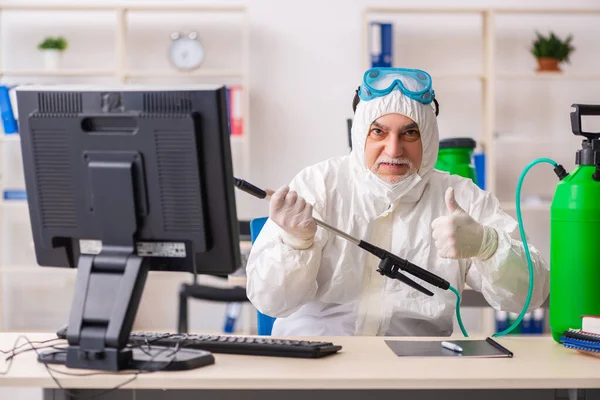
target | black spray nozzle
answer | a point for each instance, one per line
(250, 188)
(389, 268)
(405, 265)
(581, 110)
(561, 172)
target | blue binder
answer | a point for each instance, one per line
(501, 320)
(538, 321)
(15, 194)
(527, 324)
(6, 110)
(381, 44)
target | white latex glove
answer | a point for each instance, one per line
(457, 235)
(294, 215)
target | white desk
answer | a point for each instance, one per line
(364, 364)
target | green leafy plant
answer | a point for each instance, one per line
(552, 46)
(53, 43)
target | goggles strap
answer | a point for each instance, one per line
(357, 100)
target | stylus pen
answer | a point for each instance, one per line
(452, 346)
(390, 262)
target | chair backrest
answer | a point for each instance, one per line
(264, 322)
(255, 226)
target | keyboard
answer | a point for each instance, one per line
(229, 344)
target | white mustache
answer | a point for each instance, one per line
(390, 160)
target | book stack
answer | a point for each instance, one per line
(585, 340)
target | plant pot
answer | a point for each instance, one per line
(52, 59)
(548, 64)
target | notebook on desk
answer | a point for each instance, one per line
(433, 348)
(582, 341)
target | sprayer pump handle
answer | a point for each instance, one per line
(584, 109)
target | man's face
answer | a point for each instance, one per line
(393, 149)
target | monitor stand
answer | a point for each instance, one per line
(109, 285)
(149, 358)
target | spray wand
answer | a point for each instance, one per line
(390, 264)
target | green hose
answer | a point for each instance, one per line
(525, 245)
(458, 317)
(527, 254)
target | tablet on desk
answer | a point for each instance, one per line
(433, 348)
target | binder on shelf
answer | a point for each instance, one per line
(532, 322)
(479, 161)
(232, 313)
(9, 121)
(236, 112)
(505, 319)
(14, 194)
(501, 318)
(381, 44)
(512, 317)
(527, 324)
(538, 321)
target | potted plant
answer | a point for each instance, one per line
(551, 51)
(52, 48)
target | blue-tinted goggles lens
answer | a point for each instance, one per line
(413, 83)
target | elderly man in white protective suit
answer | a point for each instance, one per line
(387, 193)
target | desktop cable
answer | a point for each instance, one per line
(19, 349)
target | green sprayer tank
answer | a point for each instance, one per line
(575, 235)
(455, 157)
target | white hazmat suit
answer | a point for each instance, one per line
(332, 287)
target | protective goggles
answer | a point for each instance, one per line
(413, 83)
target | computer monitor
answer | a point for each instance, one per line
(121, 181)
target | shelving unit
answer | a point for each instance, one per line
(548, 76)
(436, 75)
(59, 73)
(122, 74)
(119, 72)
(198, 73)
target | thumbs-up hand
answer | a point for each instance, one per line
(457, 235)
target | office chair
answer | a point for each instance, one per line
(264, 322)
(195, 290)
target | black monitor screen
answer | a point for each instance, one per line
(174, 152)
